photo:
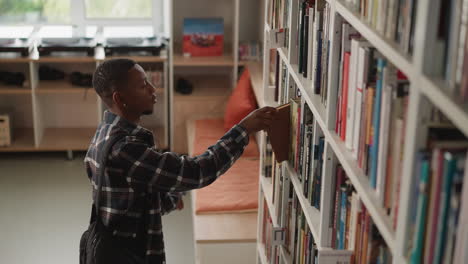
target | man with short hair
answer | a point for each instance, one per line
(140, 184)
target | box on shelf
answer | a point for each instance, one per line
(203, 37)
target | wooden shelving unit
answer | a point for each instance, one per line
(140, 58)
(8, 89)
(75, 139)
(49, 134)
(61, 86)
(425, 90)
(206, 87)
(23, 141)
(66, 59)
(220, 61)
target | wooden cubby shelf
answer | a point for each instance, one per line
(219, 61)
(7, 89)
(23, 141)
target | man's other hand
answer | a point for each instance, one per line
(260, 119)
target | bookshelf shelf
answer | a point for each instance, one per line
(306, 89)
(261, 253)
(456, 112)
(205, 87)
(312, 215)
(66, 59)
(256, 78)
(225, 60)
(5, 89)
(287, 259)
(267, 188)
(146, 59)
(47, 87)
(6, 59)
(384, 46)
(23, 141)
(56, 139)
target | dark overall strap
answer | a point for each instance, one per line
(102, 157)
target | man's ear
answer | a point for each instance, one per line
(117, 100)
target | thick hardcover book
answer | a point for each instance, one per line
(279, 133)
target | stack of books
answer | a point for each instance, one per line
(278, 18)
(313, 44)
(393, 19)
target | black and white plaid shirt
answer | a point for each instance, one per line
(141, 184)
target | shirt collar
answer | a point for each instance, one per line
(132, 128)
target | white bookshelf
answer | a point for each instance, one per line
(424, 92)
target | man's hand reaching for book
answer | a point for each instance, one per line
(260, 119)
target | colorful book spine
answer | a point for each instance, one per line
(344, 102)
(417, 253)
(450, 166)
(381, 64)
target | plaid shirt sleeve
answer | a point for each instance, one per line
(169, 201)
(170, 172)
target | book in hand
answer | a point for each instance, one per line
(279, 133)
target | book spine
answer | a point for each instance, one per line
(341, 240)
(416, 256)
(450, 164)
(453, 214)
(311, 38)
(344, 103)
(376, 123)
(353, 221)
(307, 45)
(384, 137)
(353, 66)
(434, 203)
(461, 254)
(369, 111)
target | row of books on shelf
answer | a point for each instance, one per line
(393, 19)
(296, 240)
(307, 151)
(438, 205)
(313, 45)
(278, 18)
(304, 151)
(448, 56)
(250, 51)
(352, 227)
(355, 239)
(371, 114)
